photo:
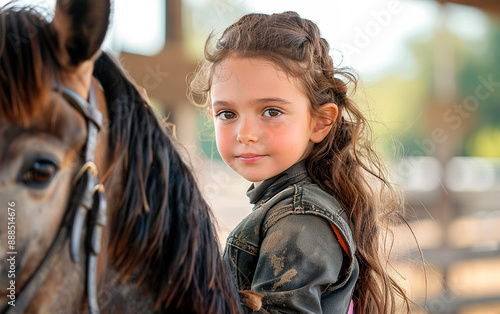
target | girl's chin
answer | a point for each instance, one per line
(255, 180)
(251, 175)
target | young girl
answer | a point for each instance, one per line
(283, 120)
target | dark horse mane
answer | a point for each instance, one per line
(164, 226)
(162, 234)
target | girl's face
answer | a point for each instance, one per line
(263, 123)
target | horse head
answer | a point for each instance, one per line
(75, 132)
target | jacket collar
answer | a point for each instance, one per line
(272, 186)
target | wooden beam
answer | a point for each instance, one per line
(173, 21)
(163, 76)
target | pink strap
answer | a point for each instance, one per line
(351, 308)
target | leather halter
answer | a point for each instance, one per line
(87, 199)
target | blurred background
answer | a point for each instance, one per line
(430, 73)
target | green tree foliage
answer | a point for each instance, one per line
(412, 116)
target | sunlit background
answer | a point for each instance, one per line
(430, 73)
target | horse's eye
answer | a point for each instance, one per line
(40, 173)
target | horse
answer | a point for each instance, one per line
(99, 212)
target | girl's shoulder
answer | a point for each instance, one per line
(304, 198)
(307, 198)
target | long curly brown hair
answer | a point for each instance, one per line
(344, 163)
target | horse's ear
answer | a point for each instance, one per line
(80, 26)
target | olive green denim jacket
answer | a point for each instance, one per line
(287, 250)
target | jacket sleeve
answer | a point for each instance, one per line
(298, 259)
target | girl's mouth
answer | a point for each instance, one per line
(250, 158)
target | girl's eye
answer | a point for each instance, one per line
(271, 113)
(226, 115)
(39, 174)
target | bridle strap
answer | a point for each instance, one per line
(88, 109)
(98, 223)
(88, 196)
(92, 192)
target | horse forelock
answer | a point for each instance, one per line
(28, 62)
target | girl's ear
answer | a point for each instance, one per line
(323, 122)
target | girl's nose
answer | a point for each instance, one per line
(247, 132)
